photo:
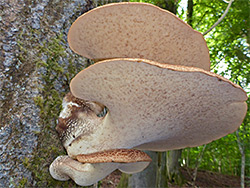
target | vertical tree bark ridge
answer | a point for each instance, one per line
(173, 166)
(26, 29)
(161, 177)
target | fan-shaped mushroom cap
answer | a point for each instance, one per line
(63, 168)
(137, 30)
(151, 102)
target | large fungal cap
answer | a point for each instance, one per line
(137, 30)
(84, 173)
(151, 103)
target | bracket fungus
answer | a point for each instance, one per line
(138, 30)
(156, 106)
(154, 81)
(85, 173)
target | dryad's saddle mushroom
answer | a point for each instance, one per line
(138, 30)
(172, 106)
(151, 105)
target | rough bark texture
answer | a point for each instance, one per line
(162, 180)
(26, 29)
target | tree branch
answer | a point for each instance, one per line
(220, 19)
(198, 23)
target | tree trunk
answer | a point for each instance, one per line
(242, 174)
(146, 178)
(173, 167)
(190, 12)
(170, 5)
(161, 178)
(243, 160)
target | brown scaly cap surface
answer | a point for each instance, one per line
(138, 30)
(115, 155)
(77, 117)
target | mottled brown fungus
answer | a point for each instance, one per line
(156, 106)
(138, 30)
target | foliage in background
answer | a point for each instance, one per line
(229, 52)
(230, 56)
(168, 5)
(229, 41)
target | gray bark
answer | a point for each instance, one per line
(173, 166)
(146, 178)
(25, 26)
(161, 178)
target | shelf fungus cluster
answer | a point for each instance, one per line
(153, 77)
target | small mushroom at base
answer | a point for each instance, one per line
(130, 161)
(63, 168)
